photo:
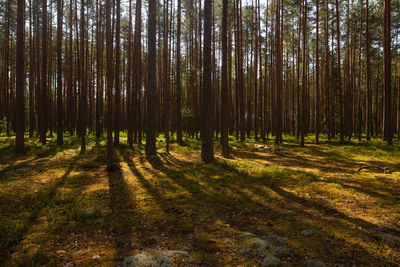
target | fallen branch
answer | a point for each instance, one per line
(378, 168)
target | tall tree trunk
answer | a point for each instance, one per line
(128, 81)
(136, 95)
(278, 74)
(83, 83)
(326, 77)
(304, 77)
(359, 109)
(317, 77)
(59, 73)
(207, 153)
(387, 73)
(117, 86)
(339, 73)
(43, 101)
(224, 83)
(99, 67)
(166, 76)
(32, 74)
(151, 151)
(178, 78)
(109, 66)
(20, 78)
(368, 113)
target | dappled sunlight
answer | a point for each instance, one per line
(64, 207)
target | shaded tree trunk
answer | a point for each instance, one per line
(224, 83)
(59, 74)
(151, 151)
(387, 73)
(20, 78)
(207, 154)
(109, 51)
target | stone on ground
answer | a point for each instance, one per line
(256, 248)
(309, 232)
(314, 263)
(271, 261)
(147, 260)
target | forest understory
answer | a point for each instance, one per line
(62, 208)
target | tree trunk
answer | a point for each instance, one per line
(178, 79)
(59, 73)
(43, 100)
(20, 78)
(224, 83)
(151, 151)
(83, 83)
(117, 108)
(109, 52)
(207, 154)
(317, 77)
(387, 73)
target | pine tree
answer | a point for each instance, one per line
(20, 78)
(207, 151)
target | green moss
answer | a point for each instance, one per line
(54, 199)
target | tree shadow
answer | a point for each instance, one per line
(38, 204)
(123, 208)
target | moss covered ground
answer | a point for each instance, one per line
(59, 207)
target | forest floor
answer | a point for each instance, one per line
(59, 208)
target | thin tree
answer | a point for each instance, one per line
(326, 75)
(339, 73)
(128, 80)
(207, 151)
(117, 74)
(368, 113)
(83, 82)
(178, 78)
(387, 73)
(224, 83)
(317, 75)
(43, 93)
(137, 66)
(59, 74)
(32, 74)
(304, 77)
(99, 68)
(278, 74)
(109, 51)
(166, 76)
(20, 78)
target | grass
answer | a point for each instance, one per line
(57, 206)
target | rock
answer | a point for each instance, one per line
(96, 257)
(314, 263)
(147, 260)
(256, 248)
(280, 251)
(168, 253)
(309, 232)
(275, 240)
(247, 234)
(271, 261)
